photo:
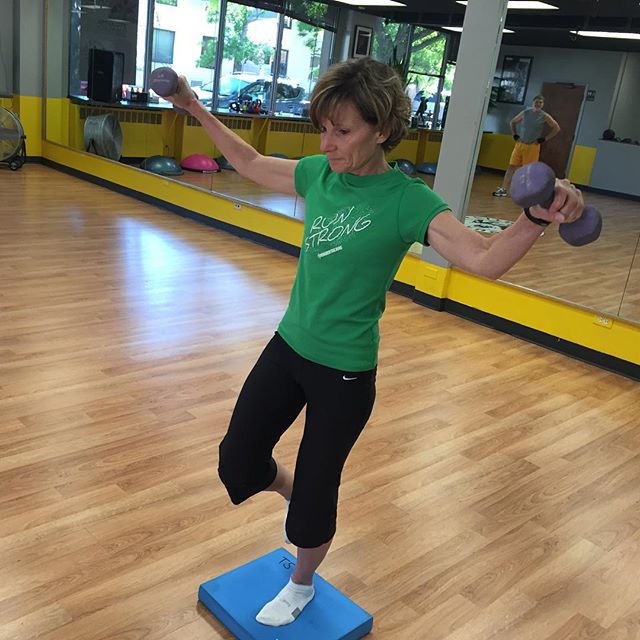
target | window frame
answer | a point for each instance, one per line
(154, 47)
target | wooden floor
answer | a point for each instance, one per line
(495, 494)
(609, 270)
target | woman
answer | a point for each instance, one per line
(362, 216)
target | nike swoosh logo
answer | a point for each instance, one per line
(345, 378)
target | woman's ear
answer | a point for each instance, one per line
(382, 137)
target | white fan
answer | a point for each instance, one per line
(103, 136)
(13, 149)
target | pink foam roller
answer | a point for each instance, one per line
(200, 162)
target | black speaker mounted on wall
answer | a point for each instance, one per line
(106, 75)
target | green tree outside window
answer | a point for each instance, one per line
(237, 46)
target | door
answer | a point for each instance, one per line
(563, 102)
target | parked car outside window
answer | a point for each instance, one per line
(230, 87)
(290, 99)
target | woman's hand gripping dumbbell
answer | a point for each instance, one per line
(534, 184)
(167, 84)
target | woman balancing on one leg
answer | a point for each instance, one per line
(362, 216)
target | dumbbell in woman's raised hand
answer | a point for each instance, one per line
(534, 184)
(166, 83)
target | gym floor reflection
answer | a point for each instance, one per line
(604, 276)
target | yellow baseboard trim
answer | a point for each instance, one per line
(606, 334)
(408, 271)
(239, 214)
(433, 280)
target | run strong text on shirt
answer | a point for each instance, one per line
(331, 229)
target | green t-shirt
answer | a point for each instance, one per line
(357, 229)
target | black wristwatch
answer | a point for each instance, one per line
(539, 221)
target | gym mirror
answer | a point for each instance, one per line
(604, 276)
(585, 92)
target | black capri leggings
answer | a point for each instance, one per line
(339, 404)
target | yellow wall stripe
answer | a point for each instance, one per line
(495, 150)
(582, 164)
(29, 111)
(619, 339)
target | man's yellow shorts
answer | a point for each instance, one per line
(524, 153)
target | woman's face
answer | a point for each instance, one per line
(351, 144)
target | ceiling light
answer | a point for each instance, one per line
(373, 3)
(94, 5)
(522, 4)
(608, 34)
(460, 29)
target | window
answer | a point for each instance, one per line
(427, 51)
(194, 51)
(208, 52)
(284, 61)
(190, 39)
(307, 47)
(429, 77)
(249, 48)
(162, 51)
(304, 54)
(391, 42)
(417, 53)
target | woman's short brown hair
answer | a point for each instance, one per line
(373, 88)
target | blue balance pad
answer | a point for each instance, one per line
(236, 597)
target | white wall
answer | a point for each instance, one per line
(598, 70)
(344, 38)
(28, 20)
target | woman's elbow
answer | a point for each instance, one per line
(483, 263)
(487, 272)
(486, 268)
(493, 273)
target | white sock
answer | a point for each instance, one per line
(284, 526)
(287, 605)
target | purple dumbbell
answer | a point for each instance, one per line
(165, 82)
(535, 184)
